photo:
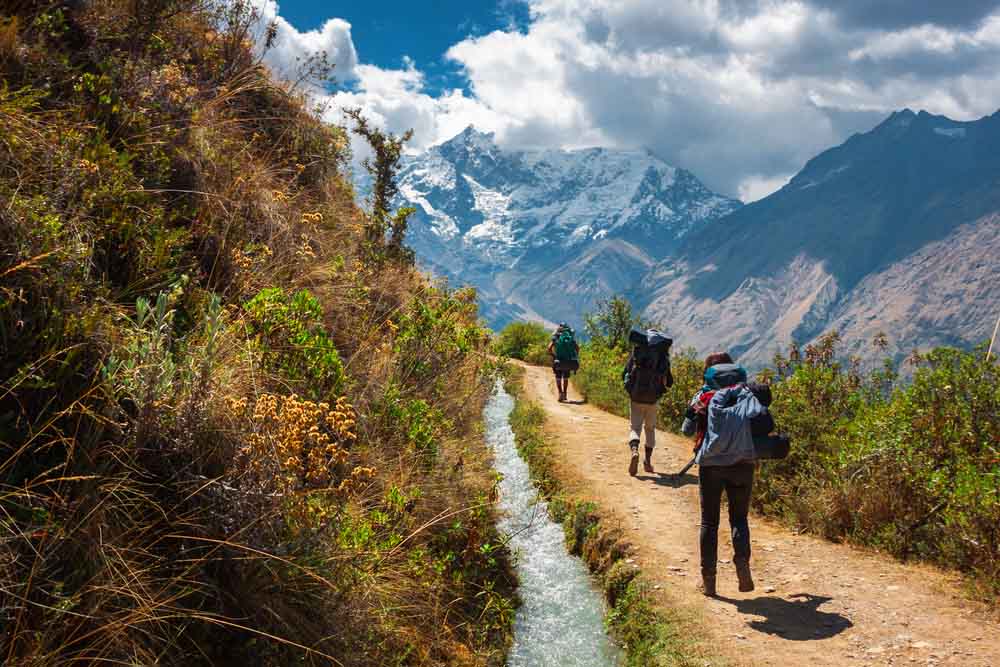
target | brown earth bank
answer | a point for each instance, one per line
(816, 602)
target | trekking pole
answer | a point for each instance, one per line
(994, 339)
(687, 467)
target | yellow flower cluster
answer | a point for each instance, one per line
(300, 444)
(305, 249)
(278, 196)
(358, 476)
(87, 166)
(241, 260)
(314, 218)
(171, 82)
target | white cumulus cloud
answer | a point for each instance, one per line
(741, 92)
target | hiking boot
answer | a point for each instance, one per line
(708, 585)
(743, 574)
(633, 466)
(647, 464)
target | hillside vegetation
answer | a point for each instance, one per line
(912, 468)
(236, 425)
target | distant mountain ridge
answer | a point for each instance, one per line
(544, 234)
(894, 231)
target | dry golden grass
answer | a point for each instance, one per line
(174, 487)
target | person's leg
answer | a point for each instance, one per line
(636, 417)
(649, 422)
(739, 487)
(710, 490)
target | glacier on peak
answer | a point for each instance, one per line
(953, 132)
(499, 218)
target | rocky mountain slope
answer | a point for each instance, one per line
(894, 231)
(545, 234)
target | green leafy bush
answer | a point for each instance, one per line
(599, 379)
(293, 341)
(526, 341)
(538, 355)
(914, 470)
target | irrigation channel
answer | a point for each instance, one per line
(560, 621)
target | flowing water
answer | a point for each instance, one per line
(560, 621)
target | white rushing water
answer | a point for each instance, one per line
(560, 621)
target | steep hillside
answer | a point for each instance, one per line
(234, 428)
(544, 234)
(893, 231)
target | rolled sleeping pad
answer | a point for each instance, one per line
(649, 337)
(721, 376)
(771, 447)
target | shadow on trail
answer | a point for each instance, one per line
(796, 620)
(579, 402)
(670, 479)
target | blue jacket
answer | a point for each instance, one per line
(728, 440)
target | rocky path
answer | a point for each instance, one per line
(816, 603)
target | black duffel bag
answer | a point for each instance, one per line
(771, 446)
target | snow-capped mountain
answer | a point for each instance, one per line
(546, 233)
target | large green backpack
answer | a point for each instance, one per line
(566, 345)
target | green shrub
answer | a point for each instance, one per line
(294, 342)
(599, 379)
(911, 469)
(687, 370)
(612, 321)
(519, 340)
(538, 355)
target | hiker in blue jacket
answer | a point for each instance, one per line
(726, 463)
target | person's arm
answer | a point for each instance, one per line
(690, 425)
(552, 348)
(628, 366)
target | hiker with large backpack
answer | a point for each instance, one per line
(732, 425)
(646, 377)
(565, 354)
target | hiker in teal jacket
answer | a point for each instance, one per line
(565, 352)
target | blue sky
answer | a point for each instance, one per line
(740, 92)
(387, 31)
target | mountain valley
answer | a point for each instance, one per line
(895, 231)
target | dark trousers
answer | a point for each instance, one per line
(737, 482)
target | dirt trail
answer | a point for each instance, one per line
(816, 603)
